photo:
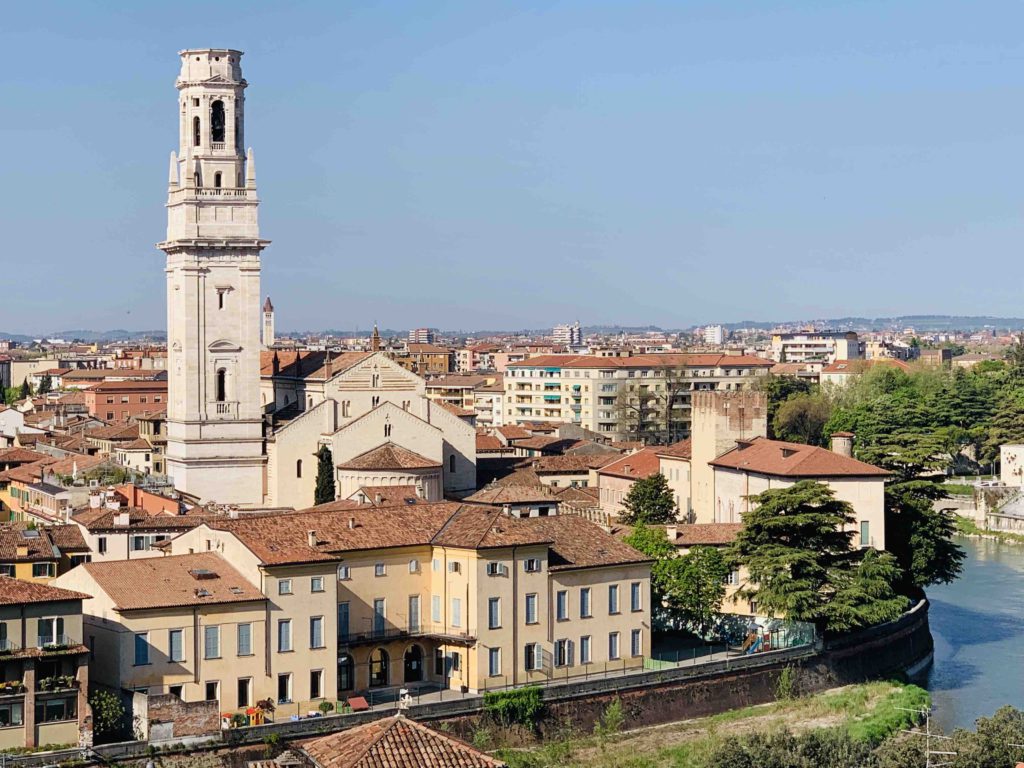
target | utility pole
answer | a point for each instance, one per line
(943, 756)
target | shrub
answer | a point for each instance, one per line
(519, 705)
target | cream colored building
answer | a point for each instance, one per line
(365, 408)
(362, 597)
(827, 346)
(649, 394)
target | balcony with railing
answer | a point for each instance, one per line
(224, 409)
(54, 642)
(379, 634)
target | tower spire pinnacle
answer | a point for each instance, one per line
(250, 169)
(172, 175)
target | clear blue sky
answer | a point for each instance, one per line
(484, 165)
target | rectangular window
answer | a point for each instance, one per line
(316, 684)
(344, 573)
(562, 605)
(343, 621)
(532, 565)
(211, 642)
(101, 545)
(531, 609)
(439, 662)
(316, 584)
(562, 654)
(141, 648)
(456, 658)
(11, 714)
(380, 569)
(43, 570)
(636, 645)
(494, 613)
(414, 566)
(585, 603)
(176, 645)
(613, 598)
(284, 635)
(436, 565)
(865, 533)
(284, 587)
(414, 613)
(379, 615)
(244, 692)
(244, 640)
(435, 609)
(532, 656)
(456, 612)
(213, 691)
(585, 649)
(613, 646)
(316, 634)
(284, 688)
(494, 662)
(635, 597)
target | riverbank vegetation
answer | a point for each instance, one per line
(827, 729)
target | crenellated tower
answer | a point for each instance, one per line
(213, 246)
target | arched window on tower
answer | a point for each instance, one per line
(217, 121)
(451, 463)
(222, 385)
(196, 131)
(216, 179)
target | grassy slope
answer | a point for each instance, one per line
(871, 712)
(968, 527)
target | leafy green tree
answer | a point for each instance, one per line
(920, 535)
(996, 740)
(45, 384)
(653, 543)
(108, 715)
(12, 395)
(864, 596)
(325, 491)
(778, 390)
(650, 501)
(26, 390)
(1014, 356)
(802, 419)
(695, 593)
(795, 543)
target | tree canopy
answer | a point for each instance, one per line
(650, 501)
(324, 491)
(796, 545)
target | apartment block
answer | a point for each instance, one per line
(639, 397)
(825, 346)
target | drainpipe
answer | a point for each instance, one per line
(515, 618)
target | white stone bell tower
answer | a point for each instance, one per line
(213, 245)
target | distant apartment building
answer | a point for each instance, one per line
(827, 346)
(714, 335)
(5, 371)
(569, 335)
(425, 359)
(421, 336)
(122, 400)
(482, 394)
(645, 397)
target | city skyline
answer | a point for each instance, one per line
(465, 168)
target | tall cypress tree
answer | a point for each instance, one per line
(324, 476)
(26, 389)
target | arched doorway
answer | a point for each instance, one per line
(379, 673)
(346, 673)
(414, 664)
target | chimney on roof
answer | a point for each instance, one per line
(626, 468)
(842, 443)
(377, 498)
(507, 509)
(419, 489)
(311, 538)
(351, 523)
(95, 499)
(672, 532)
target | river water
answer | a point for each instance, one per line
(978, 626)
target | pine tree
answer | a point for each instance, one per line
(45, 384)
(325, 491)
(650, 501)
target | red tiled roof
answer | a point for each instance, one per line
(308, 365)
(17, 592)
(775, 457)
(635, 466)
(513, 432)
(852, 367)
(681, 450)
(394, 742)
(454, 409)
(656, 360)
(173, 581)
(708, 534)
(389, 456)
(513, 494)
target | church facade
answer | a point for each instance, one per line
(244, 422)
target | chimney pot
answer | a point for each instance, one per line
(377, 499)
(842, 443)
(351, 523)
(311, 538)
(672, 532)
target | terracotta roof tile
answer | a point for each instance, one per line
(681, 450)
(307, 364)
(488, 443)
(389, 456)
(579, 543)
(178, 580)
(389, 495)
(853, 367)
(635, 466)
(394, 742)
(775, 457)
(454, 409)
(513, 494)
(17, 592)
